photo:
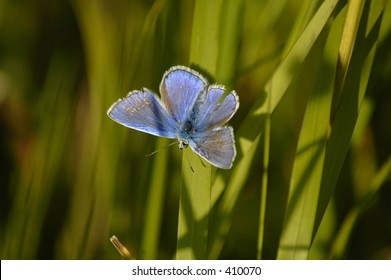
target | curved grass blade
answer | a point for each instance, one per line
(352, 95)
(250, 131)
(340, 244)
(303, 197)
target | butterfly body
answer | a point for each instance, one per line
(189, 110)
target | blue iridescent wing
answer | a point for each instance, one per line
(216, 146)
(142, 110)
(179, 89)
(213, 114)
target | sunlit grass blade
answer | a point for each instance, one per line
(195, 194)
(282, 77)
(194, 208)
(308, 8)
(351, 99)
(306, 176)
(250, 131)
(325, 235)
(346, 48)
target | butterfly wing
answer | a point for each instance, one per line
(213, 114)
(179, 89)
(216, 146)
(142, 111)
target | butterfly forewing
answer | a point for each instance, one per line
(179, 90)
(142, 110)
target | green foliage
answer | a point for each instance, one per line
(312, 176)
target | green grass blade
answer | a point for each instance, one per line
(194, 208)
(195, 194)
(265, 177)
(223, 214)
(154, 205)
(350, 102)
(341, 241)
(303, 197)
(250, 131)
(282, 77)
(306, 12)
(229, 41)
(347, 44)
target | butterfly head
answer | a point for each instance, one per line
(182, 144)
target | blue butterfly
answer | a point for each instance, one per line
(190, 110)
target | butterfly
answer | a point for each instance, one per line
(190, 110)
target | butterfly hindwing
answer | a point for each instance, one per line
(216, 146)
(143, 111)
(214, 113)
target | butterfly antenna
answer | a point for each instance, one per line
(165, 147)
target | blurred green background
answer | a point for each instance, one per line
(70, 178)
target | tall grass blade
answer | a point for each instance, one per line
(265, 179)
(299, 221)
(195, 194)
(351, 99)
(154, 206)
(250, 131)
